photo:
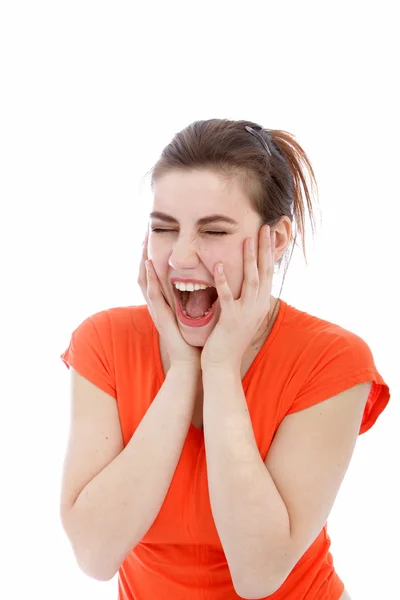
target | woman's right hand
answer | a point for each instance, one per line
(179, 352)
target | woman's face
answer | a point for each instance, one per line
(182, 244)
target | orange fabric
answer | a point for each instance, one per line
(305, 360)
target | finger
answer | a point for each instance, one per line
(156, 298)
(142, 276)
(160, 311)
(225, 296)
(153, 291)
(266, 260)
(251, 280)
(145, 246)
(150, 291)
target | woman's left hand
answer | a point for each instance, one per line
(240, 319)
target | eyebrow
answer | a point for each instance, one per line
(203, 221)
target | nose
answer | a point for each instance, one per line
(184, 255)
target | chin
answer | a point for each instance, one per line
(196, 336)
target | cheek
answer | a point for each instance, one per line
(227, 253)
(231, 255)
(158, 253)
(152, 247)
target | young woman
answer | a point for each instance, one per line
(212, 427)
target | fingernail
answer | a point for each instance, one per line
(267, 231)
(220, 268)
(251, 244)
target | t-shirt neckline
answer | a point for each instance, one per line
(267, 343)
(272, 334)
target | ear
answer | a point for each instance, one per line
(283, 231)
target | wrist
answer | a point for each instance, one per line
(221, 370)
(186, 367)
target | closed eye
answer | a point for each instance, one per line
(160, 230)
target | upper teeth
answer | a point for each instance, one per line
(190, 287)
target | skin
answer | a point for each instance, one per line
(186, 250)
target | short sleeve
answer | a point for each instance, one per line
(339, 363)
(90, 352)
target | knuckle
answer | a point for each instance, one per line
(253, 282)
(225, 294)
(231, 321)
(152, 294)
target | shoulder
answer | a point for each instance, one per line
(121, 319)
(311, 324)
(105, 345)
(328, 359)
(114, 330)
(314, 337)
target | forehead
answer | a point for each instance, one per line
(199, 192)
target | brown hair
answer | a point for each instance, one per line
(276, 184)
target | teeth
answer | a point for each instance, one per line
(190, 287)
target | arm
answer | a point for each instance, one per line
(268, 514)
(115, 509)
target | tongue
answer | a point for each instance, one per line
(198, 303)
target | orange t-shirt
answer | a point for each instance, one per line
(304, 360)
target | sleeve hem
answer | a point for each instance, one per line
(376, 403)
(91, 376)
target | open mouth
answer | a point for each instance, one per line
(197, 304)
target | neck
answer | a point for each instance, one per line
(266, 326)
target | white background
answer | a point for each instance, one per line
(90, 94)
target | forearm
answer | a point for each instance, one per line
(249, 513)
(117, 508)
